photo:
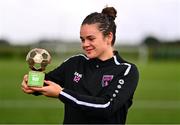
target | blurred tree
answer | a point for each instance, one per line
(4, 42)
(151, 40)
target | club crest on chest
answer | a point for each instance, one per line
(106, 79)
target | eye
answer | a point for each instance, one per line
(82, 40)
(91, 39)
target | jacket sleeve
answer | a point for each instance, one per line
(113, 99)
(57, 75)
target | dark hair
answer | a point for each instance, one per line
(105, 21)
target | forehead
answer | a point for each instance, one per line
(89, 29)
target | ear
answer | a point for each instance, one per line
(109, 38)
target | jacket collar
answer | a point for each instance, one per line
(93, 88)
(115, 60)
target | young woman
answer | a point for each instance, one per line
(98, 86)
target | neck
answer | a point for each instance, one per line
(107, 54)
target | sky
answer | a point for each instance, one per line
(25, 21)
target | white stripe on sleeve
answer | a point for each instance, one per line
(118, 63)
(84, 103)
(128, 69)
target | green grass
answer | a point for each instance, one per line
(18, 107)
(156, 100)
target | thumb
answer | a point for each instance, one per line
(47, 82)
(26, 77)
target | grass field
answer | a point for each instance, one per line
(157, 99)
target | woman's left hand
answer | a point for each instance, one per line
(51, 89)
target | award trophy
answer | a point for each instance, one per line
(37, 59)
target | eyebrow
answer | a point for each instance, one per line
(90, 36)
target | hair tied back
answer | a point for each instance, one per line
(110, 11)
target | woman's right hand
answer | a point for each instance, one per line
(25, 87)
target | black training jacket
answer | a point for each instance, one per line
(95, 91)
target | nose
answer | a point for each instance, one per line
(85, 43)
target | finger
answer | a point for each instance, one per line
(47, 82)
(45, 93)
(38, 89)
(28, 91)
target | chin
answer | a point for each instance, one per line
(90, 56)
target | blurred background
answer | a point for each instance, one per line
(148, 34)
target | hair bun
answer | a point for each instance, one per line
(110, 11)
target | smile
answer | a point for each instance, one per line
(89, 50)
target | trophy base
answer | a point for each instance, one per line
(36, 79)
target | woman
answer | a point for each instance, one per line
(98, 86)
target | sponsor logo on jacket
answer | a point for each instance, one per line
(77, 77)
